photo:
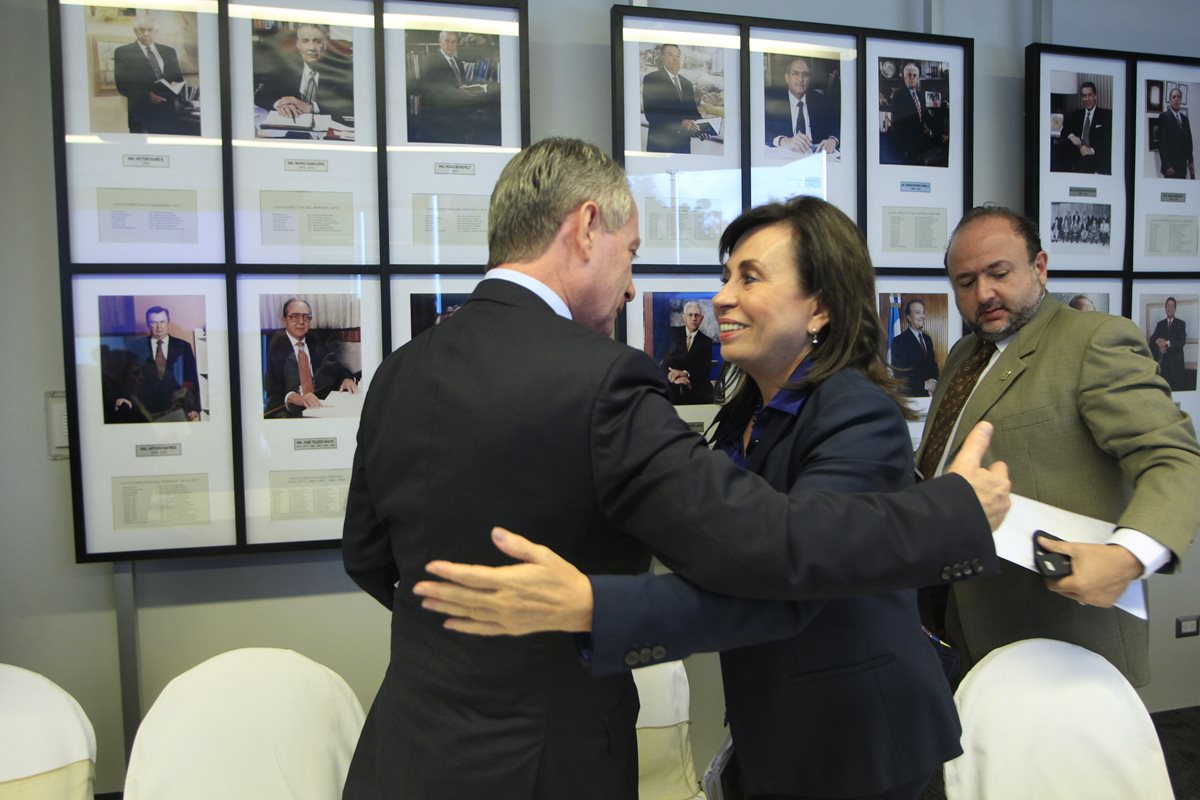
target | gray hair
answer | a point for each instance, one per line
(541, 185)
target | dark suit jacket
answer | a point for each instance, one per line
(1174, 144)
(576, 445)
(698, 363)
(281, 78)
(449, 115)
(1099, 138)
(853, 701)
(916, 139)
(779, 122)
(134, 77)
(179, 387)
(1170, 363)
(665, 110)
(1085, 424)
(283, 373)
(912, 364)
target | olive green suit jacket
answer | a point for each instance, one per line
(1085, 424)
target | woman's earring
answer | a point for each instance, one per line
(816, 340)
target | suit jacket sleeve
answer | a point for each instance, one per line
(861, 444)
(730, 532)
(1129, 411)
(366, 544)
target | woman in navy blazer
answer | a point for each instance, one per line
(841, 697)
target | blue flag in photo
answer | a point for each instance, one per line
(893, 329)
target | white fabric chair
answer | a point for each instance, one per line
(47, 744)
(1046, 720)
(665, 767)
(250, 724)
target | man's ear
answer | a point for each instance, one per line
(588, 225)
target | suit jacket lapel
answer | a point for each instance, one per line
(770, 438)
(1005, 373)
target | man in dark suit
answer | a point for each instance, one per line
(137, 69)
(1085, 425)
(521, 410)
(689, 359)
(1166, 345)
(300, 370)
(1085, 141)
(669, 103)
(918, 133)
(306, 79)
(913, 358)
(1175, 140)
(167, 386)
(799, 120)
(453, 107)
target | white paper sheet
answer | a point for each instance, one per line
(1014, 540)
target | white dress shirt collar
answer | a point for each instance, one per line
(534, 285)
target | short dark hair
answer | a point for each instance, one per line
(1022, 225)
(1171, 300)
(1089, 85)
(908, 306)
(157, 310)
(834, 265)
(289, 301)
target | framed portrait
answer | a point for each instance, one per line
(308, 346)
(419, 302)
(1075, 154)
(803, 117)
(1166, 200)
(672, 320)
(139, 150)
(457, 112)
(305, 170)
(921, 323)
(152, 415)
(1087, 294)
(917, 101)
(678, 128)
(1168, 313)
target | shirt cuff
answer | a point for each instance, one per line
(1153, 555)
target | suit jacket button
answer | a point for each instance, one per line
(631, 658)
(945, 573)
(977, 565)
(644, 655)
(659, 652)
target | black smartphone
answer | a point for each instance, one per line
(1052, 565)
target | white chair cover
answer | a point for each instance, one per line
(666, 770)
(1046, 720)
(251, 724)
(46, 740)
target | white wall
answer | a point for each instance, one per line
(58, 618)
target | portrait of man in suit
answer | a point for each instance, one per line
(669, 103)
(689, 359)
(300, 69)
(301, 368)
(800, 120)
(1085, 141)
(154, 378)
(454, 95)
(147, 73)
(913, 358)
(1166, 342)
(1085, 423)
(1175, 139)
(916, 133)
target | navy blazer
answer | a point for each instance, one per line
(179, 387)
(824, 122)
(912, 364)
(580, 449)
(665, 112)
(853, 700)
